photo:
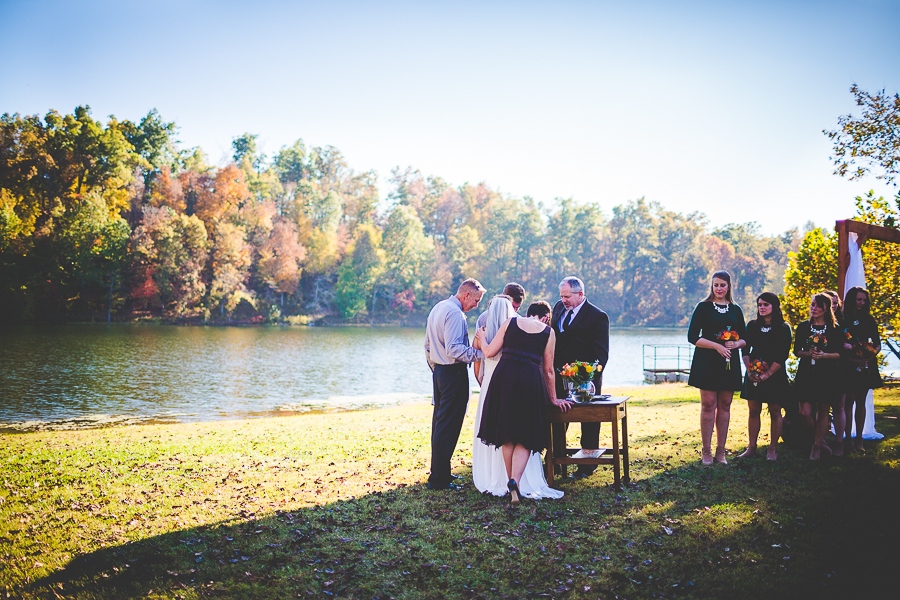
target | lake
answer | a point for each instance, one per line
(76, 376)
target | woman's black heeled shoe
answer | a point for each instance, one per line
(514, 497)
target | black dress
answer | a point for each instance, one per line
(516, 398)
(708, 370)
(770, 344)
(818, 383)
(861, 329)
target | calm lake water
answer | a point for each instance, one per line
(78, 376)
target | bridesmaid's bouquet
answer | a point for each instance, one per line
(579, 372)
(865, 351)
(727, 335)
(818, 341)
(758, 367)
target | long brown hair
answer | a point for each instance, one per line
(850, 312)
(824, 301)
(724, 276)
(777, 315)
(836, 306)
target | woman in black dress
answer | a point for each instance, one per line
(818, 343)
(716, 367)
(837, 411)
(522, 384)
(769, 341)
(860, 374)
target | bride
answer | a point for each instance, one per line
(488, 468)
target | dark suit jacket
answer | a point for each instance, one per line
(586, 338)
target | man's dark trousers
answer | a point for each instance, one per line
(451, 397)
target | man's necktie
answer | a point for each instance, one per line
(566, 322)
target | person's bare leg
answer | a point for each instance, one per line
(708, 401)
(753, 425)
(808, 420)
(520, 457)
(860, 419)
(821, 428)
(849, 401)
(839, 423)
(806, 416)
(723, 419)
(508, 450)
(775, 431)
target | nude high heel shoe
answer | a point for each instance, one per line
(720, 455)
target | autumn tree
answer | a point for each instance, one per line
(869, 143)
(281, 255)
(229, 267)
(172, 249)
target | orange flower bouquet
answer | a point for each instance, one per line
(865, 351)
(728, 335)
(816, 340)
(758, 367)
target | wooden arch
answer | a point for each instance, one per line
(864, 232)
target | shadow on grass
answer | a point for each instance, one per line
(752, 529)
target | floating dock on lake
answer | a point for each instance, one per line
(667, 363)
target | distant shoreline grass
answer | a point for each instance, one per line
(333, 505)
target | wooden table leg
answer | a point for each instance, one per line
(626, 479)
(616, 456)
(548, 460)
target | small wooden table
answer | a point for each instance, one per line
(610, 410)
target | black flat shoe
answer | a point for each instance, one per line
(445, 486)
(514, 497)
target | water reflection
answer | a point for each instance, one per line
(94, 375)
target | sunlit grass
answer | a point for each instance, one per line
(334, 505)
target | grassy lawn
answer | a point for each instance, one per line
(334, 505)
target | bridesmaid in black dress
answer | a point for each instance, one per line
(817, 383)
(716, 366)
(522, 384)
(860, 375)
(768, 340)
(837, 412)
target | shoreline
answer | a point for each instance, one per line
(101, 422)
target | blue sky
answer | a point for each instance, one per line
(711, 106)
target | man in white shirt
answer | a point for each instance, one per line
(449, 352)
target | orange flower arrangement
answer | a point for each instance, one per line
(728, 335)
(758, 367)
(816, 340)
(865, 351)
(580, 372)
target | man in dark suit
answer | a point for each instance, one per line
(582, 333)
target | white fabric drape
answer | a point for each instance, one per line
(856, 277)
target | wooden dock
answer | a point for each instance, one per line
(667, 363)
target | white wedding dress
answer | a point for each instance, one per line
(488, 469)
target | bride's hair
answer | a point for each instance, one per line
(499, 311)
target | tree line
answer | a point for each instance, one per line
(116, 221)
